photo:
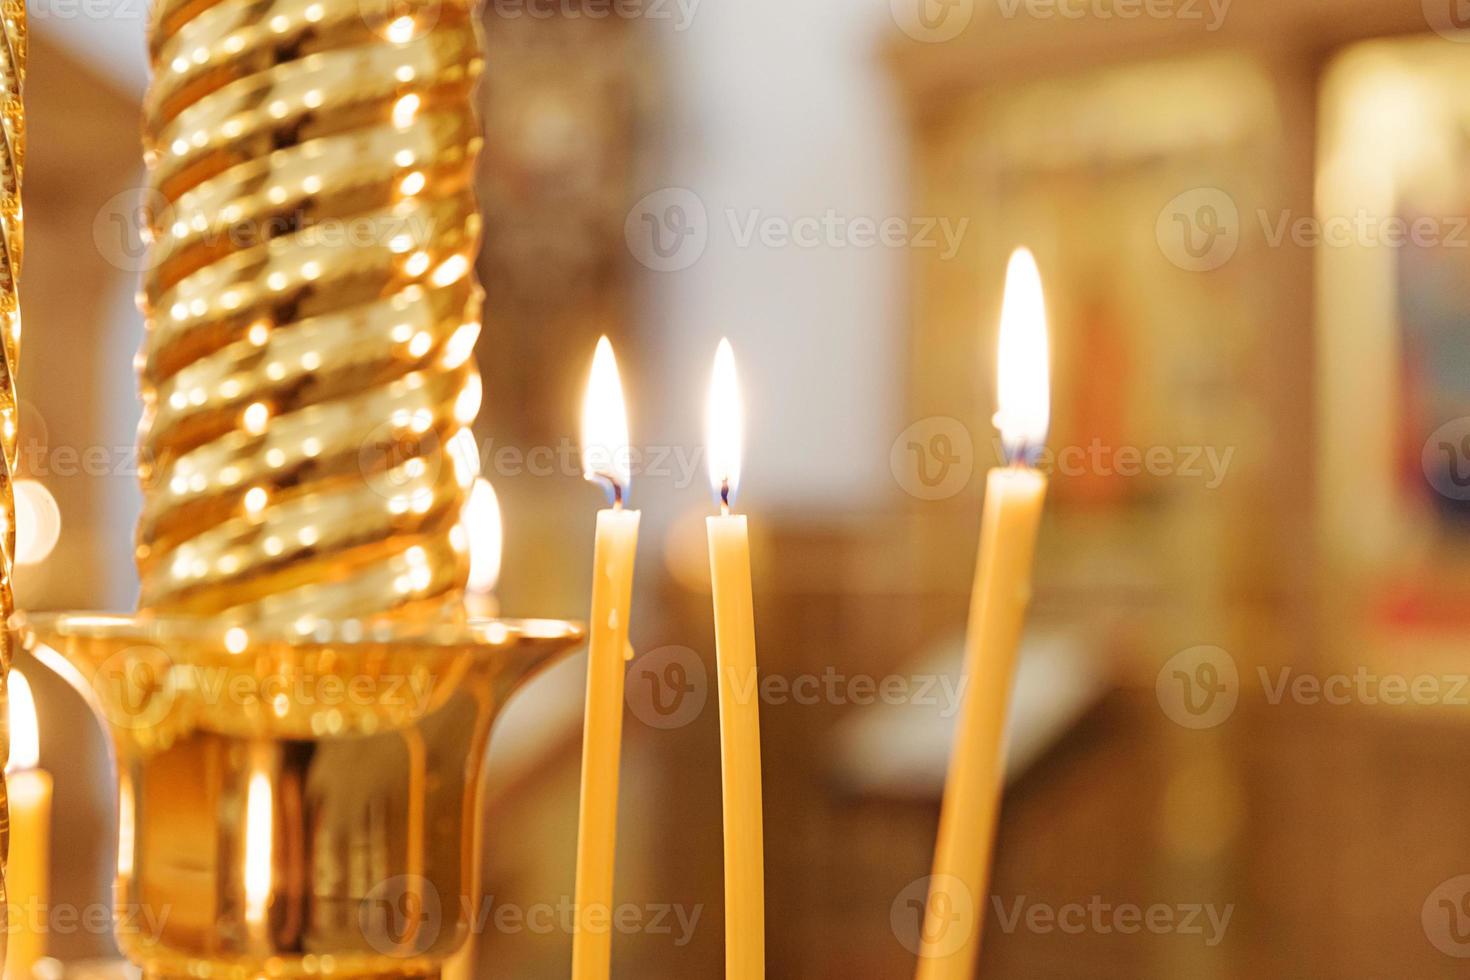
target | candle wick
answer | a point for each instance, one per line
(1019, 454)
(614, 486)
(725, 497)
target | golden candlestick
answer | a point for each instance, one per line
(296, 806)
(12, 168)
(312, 308)
(300, 712)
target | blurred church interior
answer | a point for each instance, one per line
(1313, 374)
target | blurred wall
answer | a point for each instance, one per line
(779, 110)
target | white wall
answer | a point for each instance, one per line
(782, 108)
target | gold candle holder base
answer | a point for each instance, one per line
(297, 801)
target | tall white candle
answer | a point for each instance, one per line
(605, 458)
(740, 735)
(1013, 499)
(27, 877)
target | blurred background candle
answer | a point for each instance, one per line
(259, 852)
(739, 681)
(484, 525)
(606, 460)
(1013, 498)
(485, 528)
(27, 876)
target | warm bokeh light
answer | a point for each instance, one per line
(258, 848)
(1023, 382)
(724, 424)
(605, 454)
(25, 736)
(487, 537)
(37, 522)
(126, 829)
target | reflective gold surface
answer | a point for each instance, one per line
(296, 806)
(12, 165)
(312, 307)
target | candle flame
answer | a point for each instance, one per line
(259, 832)
(1023, 372)
(483, 523)
(605, 455)
(724, 425)
(25, 736)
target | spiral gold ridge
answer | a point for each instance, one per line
(12, 166)
(312, 307)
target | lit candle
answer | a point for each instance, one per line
(482, 523)
(259, 853)
(605, 460)
(740, 726)
(1013, 499)
(27, 876)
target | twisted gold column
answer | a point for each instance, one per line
(312, 307)
(12, 166)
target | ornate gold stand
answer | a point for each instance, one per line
(295, 806)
